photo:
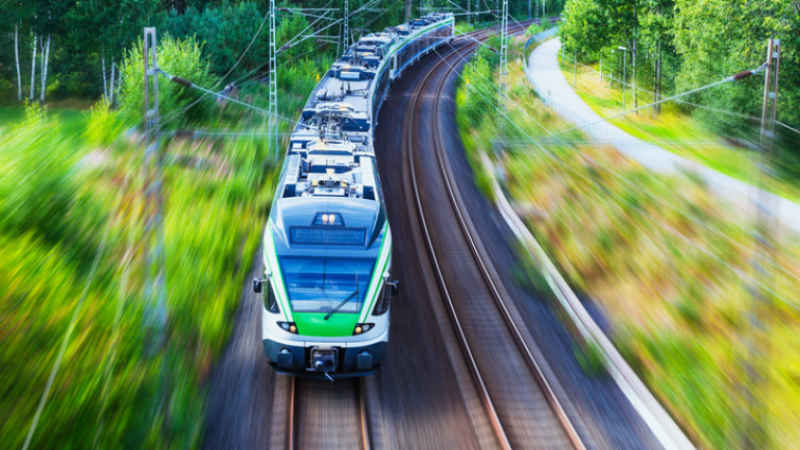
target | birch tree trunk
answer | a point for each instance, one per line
(111, 88)
(105, 82)
(16, 55)
(33, 70)
(45, 63)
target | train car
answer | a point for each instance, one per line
(327, 283)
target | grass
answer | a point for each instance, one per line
(71, 193)
(673, 129)
(664, 260)
(67, 200)
(71, 121)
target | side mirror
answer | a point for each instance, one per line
(395, 284)
(258, 285)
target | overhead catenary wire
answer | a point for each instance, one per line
(189, 84)
(739, 76)
(364, 8)
(684, 102)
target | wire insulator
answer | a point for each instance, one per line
(182, 81)
(742, 75)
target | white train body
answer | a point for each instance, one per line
(327, 243)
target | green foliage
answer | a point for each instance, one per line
(680, 45)
(534, 28)
(225, 32)
(584, 22)
(176, 57)
(39, 190)
(480, 96)
(463, 28)
(59, 197)
(104, 125)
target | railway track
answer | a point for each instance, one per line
(320, 414)
(553, 427)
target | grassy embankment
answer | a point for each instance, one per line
(673, 129)
(71, 223)
(666, 262)
(69, 198)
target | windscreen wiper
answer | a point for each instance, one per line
(339, 306)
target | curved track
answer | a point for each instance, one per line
(521, 407)
(426, 395)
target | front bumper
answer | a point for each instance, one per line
(353, 360)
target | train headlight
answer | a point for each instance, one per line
(362, 328)
(288, 326)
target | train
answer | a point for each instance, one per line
(327, 246)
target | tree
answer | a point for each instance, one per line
(584, 23)
(656, 37)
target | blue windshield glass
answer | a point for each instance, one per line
(321, 284)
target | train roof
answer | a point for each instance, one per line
(329, 196)
(350, 78)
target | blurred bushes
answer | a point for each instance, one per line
(59, 196)
(104, 125)
(667, 261)
(39, 188)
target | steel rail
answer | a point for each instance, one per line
(498, 298)
(293, 413)
(292, 423)
(483, 391)
(468, 231)
(362, 412)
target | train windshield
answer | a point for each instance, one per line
(323, 284)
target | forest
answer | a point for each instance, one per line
(674, 46)
(57, 49)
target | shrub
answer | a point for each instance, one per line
(104, 125)
(176, 57)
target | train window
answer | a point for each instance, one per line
(382, 303)
(319, 284)
(270, 301)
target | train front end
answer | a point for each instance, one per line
(326, 287)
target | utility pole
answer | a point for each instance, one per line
(408, 10)
(346, 24)
(155, 311)
(503, 95)
(272, 130)
(756, 435)
(530, 3)
(153, 236)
